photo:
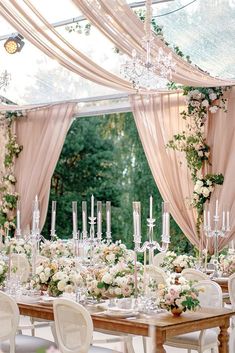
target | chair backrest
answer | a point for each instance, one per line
(158, 259)
(9, 317)
(192, 274)
(74, 327)
(231, 289)
(156, 273)
(210, 294)
(21, 263)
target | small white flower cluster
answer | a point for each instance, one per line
(113, 253)
(180, 294)
(58, 248)
(227, 264)
(199, 100)
(18, 246)
(202, 187)
(112, 281)
(184, 261)
(3, 271)
(57, 276)
(172, 260)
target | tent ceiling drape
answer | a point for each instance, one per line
(120, 24)
(117, 21)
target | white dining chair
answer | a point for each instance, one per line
(231, 290)
(156, 273)
(158, 259)
(74, 328)
(210, 296)
(191, 274)
(10, 342)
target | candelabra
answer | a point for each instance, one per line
(150, 245)
(216, 232)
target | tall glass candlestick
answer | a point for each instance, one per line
(18, 228)
(53, 218)
(75, 228)
(99, 220)
(108, 222)
(84, 220)
(92, 205)
(218, 231)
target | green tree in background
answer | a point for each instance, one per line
(104, 156)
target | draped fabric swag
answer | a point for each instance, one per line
(157, 119)
(42, 133)
(117, 21)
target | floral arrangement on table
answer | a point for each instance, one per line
(57, 248)
(227, 264)
(176, 263)
(113, 281)
(3, 272)
(18, 246)
(56, 277)
(113, 253)
(179, 297)
(192, 142)
(8, 199)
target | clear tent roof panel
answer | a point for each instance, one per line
(205, 30)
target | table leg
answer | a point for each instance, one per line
(224, 337)
(160, 338)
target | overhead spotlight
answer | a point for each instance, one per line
(14, 44)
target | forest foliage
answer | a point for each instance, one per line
(103, 156)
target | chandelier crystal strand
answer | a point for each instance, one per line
(147, 71)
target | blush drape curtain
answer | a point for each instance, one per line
(158, 119)
(42, 133)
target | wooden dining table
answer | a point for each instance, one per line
(160, 326)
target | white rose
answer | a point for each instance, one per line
(118, 291)
(107, 278)
(39, 269)
(199, 182)
(58, 275)
(69, 289)
(213, 96)
(213, 109)
(61, 285)
(1, 269)
(42, 277)
(205, 103)
(205, 192)
(110, 257)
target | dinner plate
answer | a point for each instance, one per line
(120, 313)
(29, 299)
(47, 300)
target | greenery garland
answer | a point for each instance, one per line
(192, 142)
(9, 198)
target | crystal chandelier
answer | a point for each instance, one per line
(147, 71)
